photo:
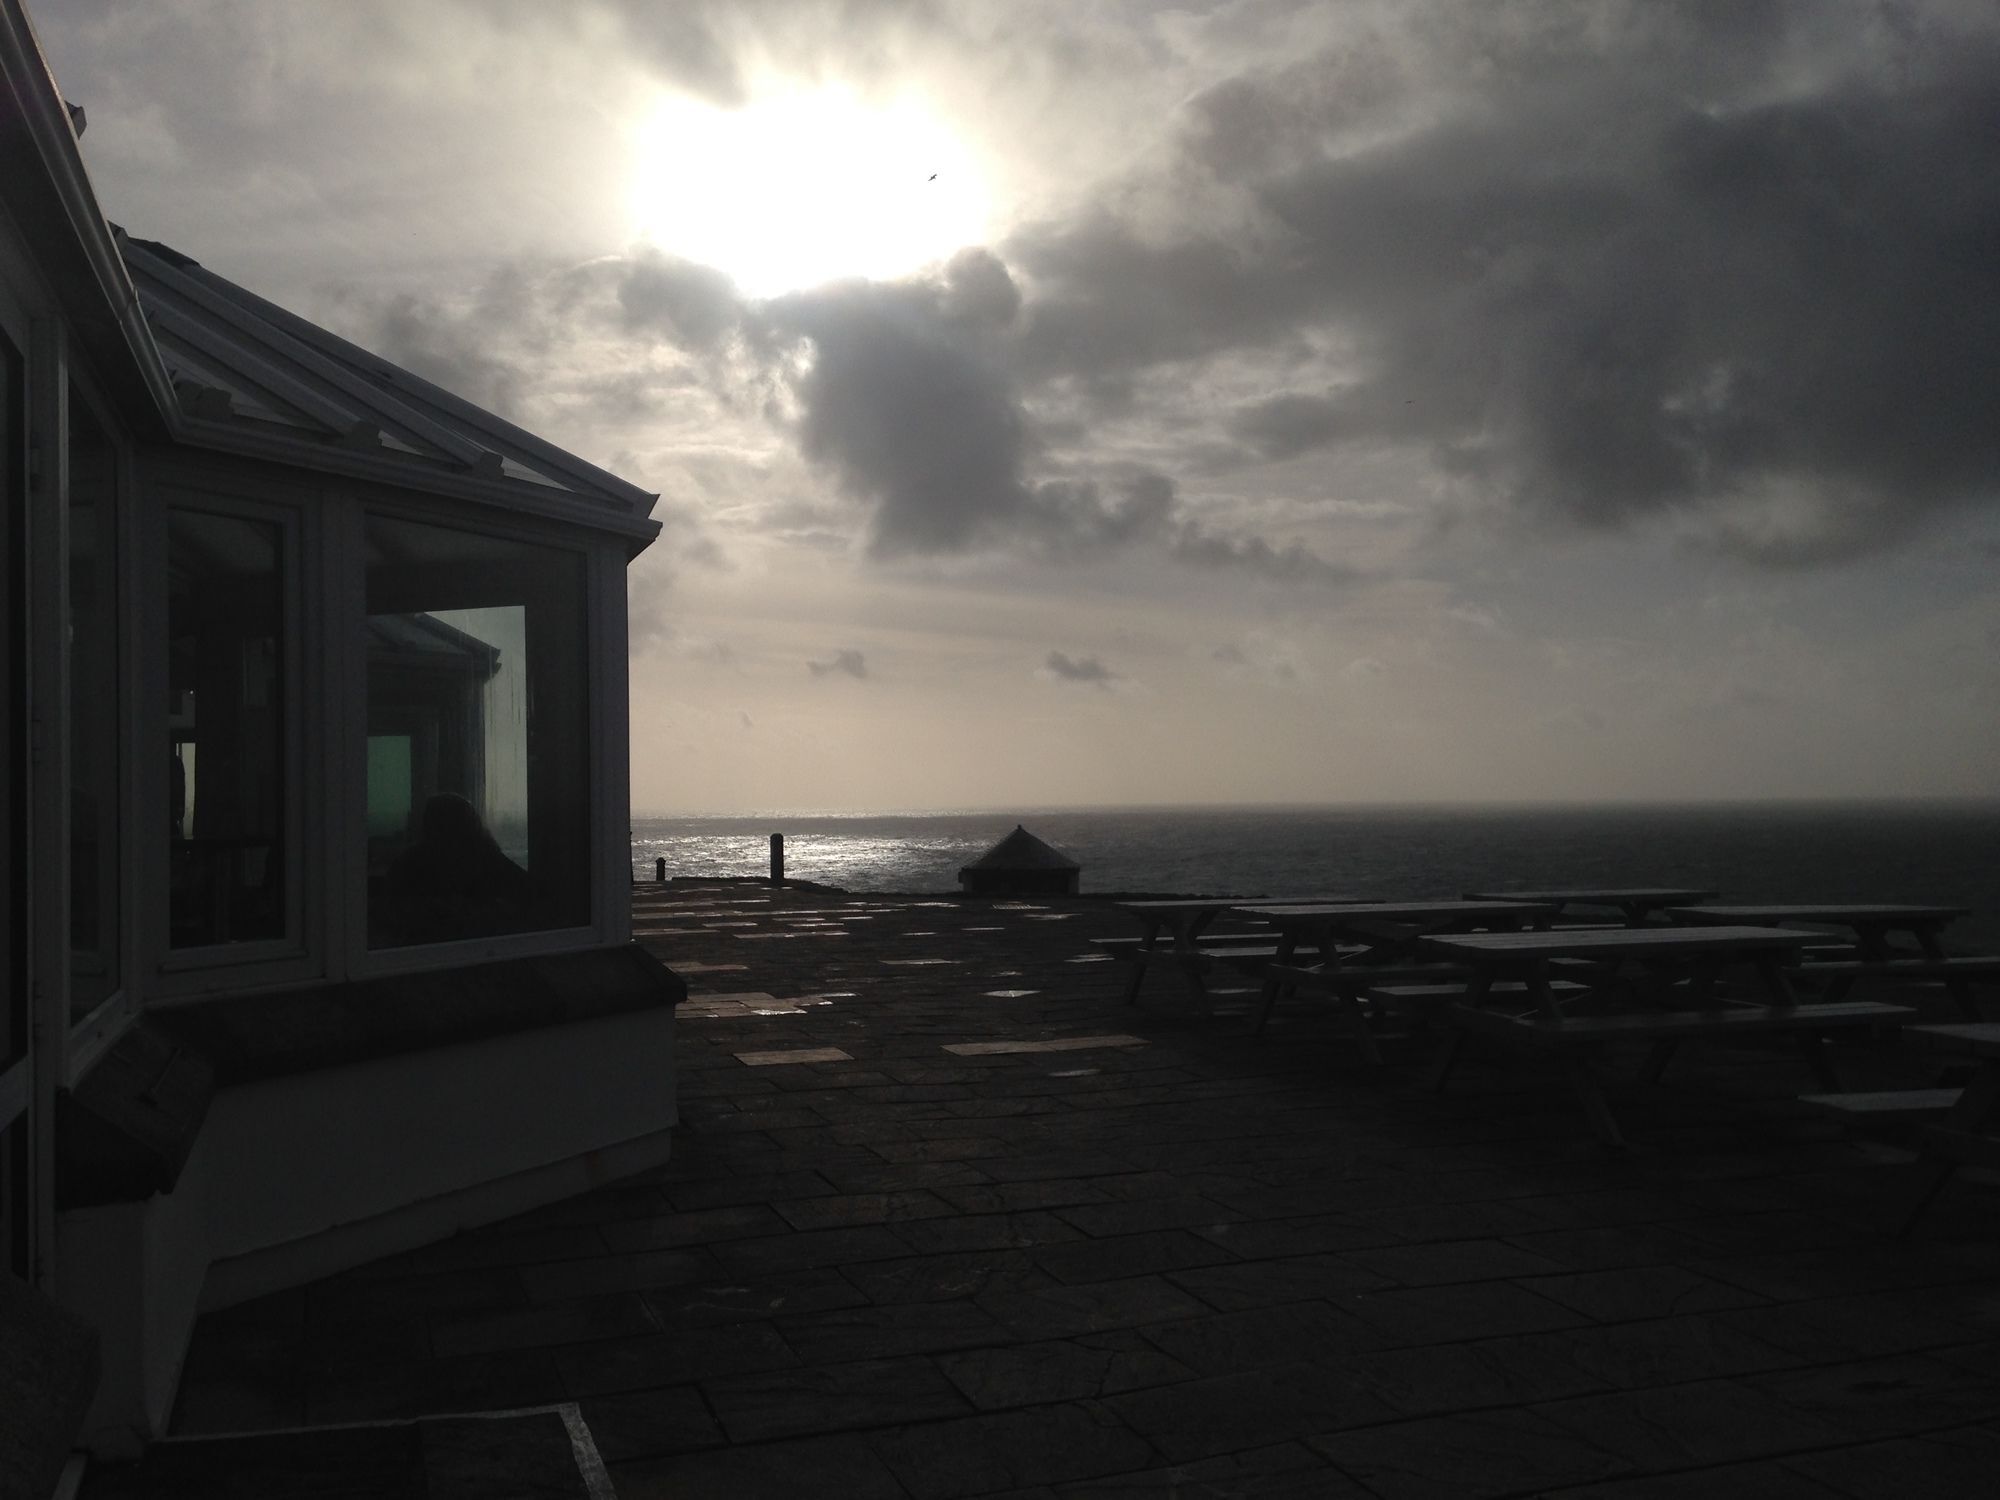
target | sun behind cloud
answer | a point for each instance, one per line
(805, 186)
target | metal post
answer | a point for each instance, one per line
(777, 859)
(660, 869)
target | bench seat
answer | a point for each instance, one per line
(1538, 1030)
(1886, 1104)
(1981, 968)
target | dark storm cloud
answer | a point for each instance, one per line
(1284, 426)
(1085, 669)
(1613, 269)
(911, 397)
(905, 401)
(694, 306)
(846, 663)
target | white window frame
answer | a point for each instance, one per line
(91, 1034)
(350, 858)
(185, 974)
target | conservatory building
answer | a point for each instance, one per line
(314, 910)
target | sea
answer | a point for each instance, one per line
(1925, 852)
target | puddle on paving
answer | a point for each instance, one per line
(794, 1055)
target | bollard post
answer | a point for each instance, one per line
(660, 869)
(777, 859)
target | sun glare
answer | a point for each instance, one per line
(802, 188)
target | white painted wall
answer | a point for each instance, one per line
(294, 1178)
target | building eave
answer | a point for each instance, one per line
(378, 467)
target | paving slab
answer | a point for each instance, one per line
(1050, 1245)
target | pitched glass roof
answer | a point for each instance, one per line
(248, 373)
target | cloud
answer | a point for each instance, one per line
(1597, 263)
(1284, 426)
(1085, 669)
(1260, 658)
(692, 305)
(848, 663)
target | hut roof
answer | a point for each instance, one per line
(1021, 850)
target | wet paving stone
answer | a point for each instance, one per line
(844, 1465)
(879, 1332)
(1685, 1426)
(1208, 1264)
(1237, 1285)
(1475, 1454)
(679, 1358)
(1012, 1450)
(833, 1398)
(1200, 1418)
(649, 1423)
(1094, 1365)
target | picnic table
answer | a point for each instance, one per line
(1874, 928)
(1951, 1126)
(1364, 942)
(1872, 924)
(1664, 983)
(1176, 928)
(1636, 904)
(1389, 930)
(1965, 1135)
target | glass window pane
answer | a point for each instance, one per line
(93, 713)
(478, 798)
(226, 728)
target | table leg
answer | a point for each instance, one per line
(1976, 1105)
(1776, 981)
(1813, 1048)
(1348, 995)
(1446, 1056)
(1274, 981)
(1583, 1083)
(1960, 990)
(1657, 1058)
(1147, 947)
(1931, 1174)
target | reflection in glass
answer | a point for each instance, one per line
(93, 713)
(226, 714)
(477, 811)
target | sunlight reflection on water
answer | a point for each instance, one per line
(1915, 852)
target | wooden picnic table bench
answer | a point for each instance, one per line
(1634, 904)
(1964, 1135)
(1961, 975)
(1666, 981)
(1175, 928)
(1371, 938)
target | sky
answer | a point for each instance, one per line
(1088, 402)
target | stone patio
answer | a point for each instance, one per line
(946, 1218)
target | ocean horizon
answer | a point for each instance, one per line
(1930, 850)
